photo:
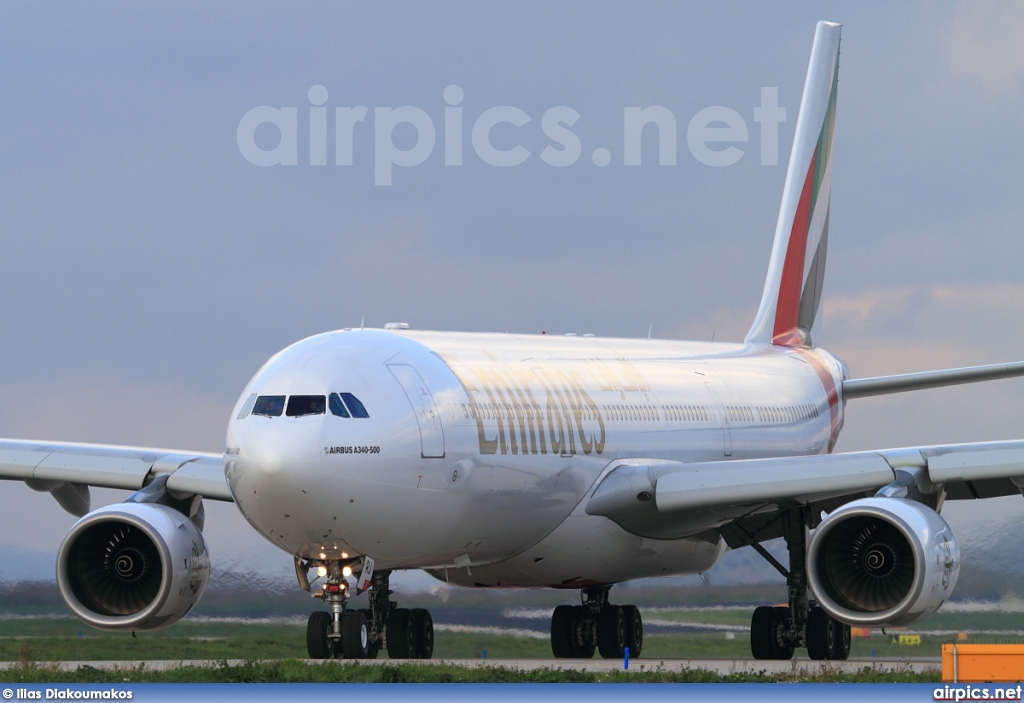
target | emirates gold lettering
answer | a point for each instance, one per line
(520, 411)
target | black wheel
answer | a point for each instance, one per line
(634, 630)
(783, 648)
(355, 635)
(611, 632)
(422, 626)
(762, 633)
(562, 631)
(821, 635)
(373, 648)
(583, 632)
(842, 650)
(317, 628)
(765, 634)
(400, 634)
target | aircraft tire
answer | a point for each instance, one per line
(355, 635)
(822, 635)
(634, 630)
(400, 634)
(764, 629)
(562, 621)
(611, 632)
(318, 645)
(583, 632)
(373, 648)
(782, 651)
(422, 626)
(843, 642)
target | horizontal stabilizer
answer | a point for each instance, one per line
(881, 385)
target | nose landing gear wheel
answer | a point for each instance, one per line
(355, 636)
(317, 642)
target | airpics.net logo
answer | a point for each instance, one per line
(715, 136)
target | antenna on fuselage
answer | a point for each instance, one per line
(650, 330)
(362, 321)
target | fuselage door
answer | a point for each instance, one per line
(427, 416)
(723, 419)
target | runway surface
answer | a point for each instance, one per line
(719, 666)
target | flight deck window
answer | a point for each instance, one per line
(269, 406)
(337, 407)
(302, 405)
(247, 407)
(354, 406)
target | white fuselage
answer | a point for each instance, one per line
(479, 449)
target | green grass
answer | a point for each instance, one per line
(58, 639)
(293, 671)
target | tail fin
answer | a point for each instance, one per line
(797, 268)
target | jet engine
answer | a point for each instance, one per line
(882, 562)
(133, 566)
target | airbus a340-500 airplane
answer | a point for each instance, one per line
(512, 461)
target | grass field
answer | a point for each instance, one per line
(65, 639)
(42, 632)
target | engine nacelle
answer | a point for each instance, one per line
(882, 562)
(133, 566)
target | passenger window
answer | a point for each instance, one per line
(302, 405)
(269, 406)
(337, 407)
(354, 406)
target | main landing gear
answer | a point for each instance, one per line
(577, 630)
(776, 631)
(346, 633)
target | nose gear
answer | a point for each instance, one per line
(347, 633)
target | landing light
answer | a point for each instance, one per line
(321, 571)
(344, 555)
(347, 571)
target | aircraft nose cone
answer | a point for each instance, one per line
(273, 477)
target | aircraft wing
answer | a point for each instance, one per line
(67, 470)
(666, 499)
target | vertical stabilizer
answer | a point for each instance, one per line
(796, 271)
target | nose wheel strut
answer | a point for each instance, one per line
(348, 633)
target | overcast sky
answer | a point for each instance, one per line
(149, 268)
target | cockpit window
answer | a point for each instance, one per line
(269, 405)
(301, 405)
(247, 407)
(337, 407)
(354, 406)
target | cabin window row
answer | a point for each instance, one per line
(772, 414)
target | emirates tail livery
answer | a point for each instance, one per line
(514, 461)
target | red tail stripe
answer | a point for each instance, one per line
(787, 307)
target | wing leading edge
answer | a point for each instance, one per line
(668, 500)
(67, 470)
